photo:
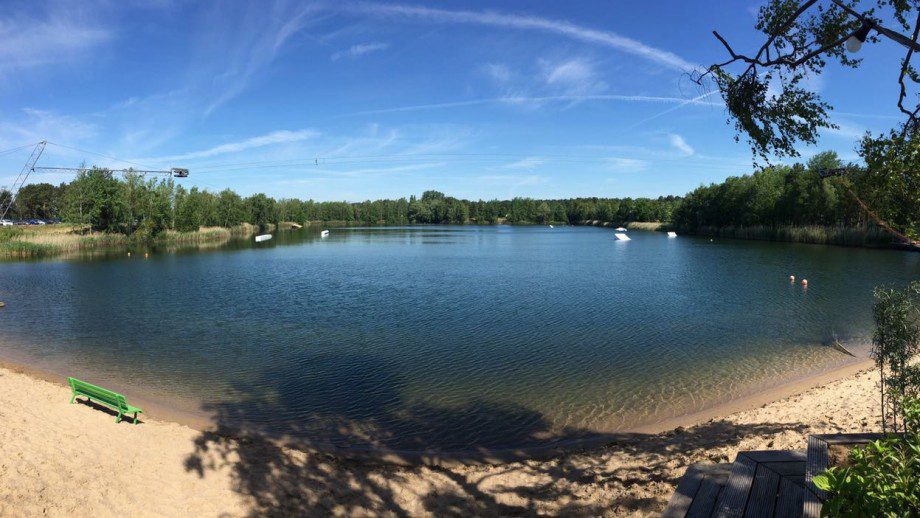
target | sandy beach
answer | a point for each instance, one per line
(73, 460)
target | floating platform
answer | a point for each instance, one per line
(621, 237)
(263, 237)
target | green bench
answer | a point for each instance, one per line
(106, 397)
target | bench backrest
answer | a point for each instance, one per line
(106, 396)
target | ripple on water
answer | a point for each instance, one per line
(448, 338)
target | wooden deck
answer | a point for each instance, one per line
(758, 484)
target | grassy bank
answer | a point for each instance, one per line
(51, 240)
(845, 236)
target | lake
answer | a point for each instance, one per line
(446, 338)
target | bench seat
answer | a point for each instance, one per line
(111, 399)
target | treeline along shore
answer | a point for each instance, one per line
(781, 203)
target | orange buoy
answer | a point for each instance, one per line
(804, 282)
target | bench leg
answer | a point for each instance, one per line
(135, 417)
(118, 419)
(72, 398)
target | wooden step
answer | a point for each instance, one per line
(767, 483)
(698, 490)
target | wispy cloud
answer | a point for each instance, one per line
(31, 41)
(235, 47)
(526, 163)
(678, 143)
(359, 50)
(847, 130)
(625, 164)
(514, 180)
(572, 77)
(512, 99)
(526, 22)
(498, 72)
(34, 125)
(327, 173)
(273, 138)
(698, 100)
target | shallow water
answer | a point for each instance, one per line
(447, 338)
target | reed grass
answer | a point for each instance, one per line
(838, 235)
(49, 240)
(644, 225)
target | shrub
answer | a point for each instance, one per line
(884, 476)
(895, 343)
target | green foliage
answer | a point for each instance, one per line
(25, 249)
(766, 91)
(883, 478)
(895, 344)
(892, 185)
(773, 124)
(773, 197)
(9, 233)
(39, 200)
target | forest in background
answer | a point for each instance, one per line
(775, 202)
(131, 204)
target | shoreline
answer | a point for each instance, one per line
(159, 411)
(50, 448)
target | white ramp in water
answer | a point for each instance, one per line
(263, 237)
(622, 237)
(672, 234)
(324, 233)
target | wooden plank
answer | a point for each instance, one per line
(816, 463)
(689, 486)
(734, 496)
(787, 469)
(705, 500)
(777, 455)
(848, 438)
(791, 499)
(762, 498)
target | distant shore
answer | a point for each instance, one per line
(811, 234)
(165, 467)
(54, 240)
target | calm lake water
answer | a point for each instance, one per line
(446, 338)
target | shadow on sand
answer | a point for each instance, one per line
(293, 469)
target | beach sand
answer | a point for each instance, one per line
(73, 460)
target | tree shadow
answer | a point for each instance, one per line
(299, 443)
(127, 418)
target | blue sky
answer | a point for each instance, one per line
(362, 100)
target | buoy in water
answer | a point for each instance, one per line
(804, 282)
(792, 278)
(146, 255)
(129, 254)
(2, 304)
